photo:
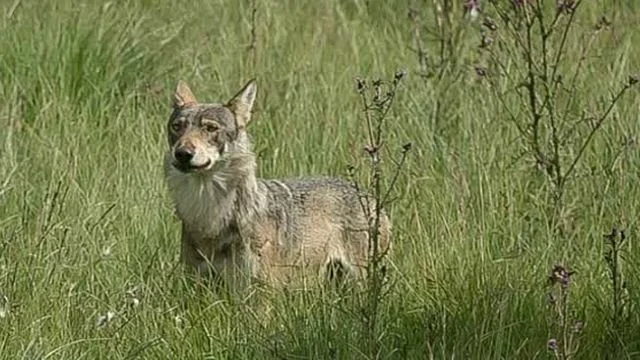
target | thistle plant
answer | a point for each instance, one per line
(377, 97)
(564, 345)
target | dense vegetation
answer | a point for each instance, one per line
(523, 158)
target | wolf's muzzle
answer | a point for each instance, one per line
(183, 155)
(183, 160)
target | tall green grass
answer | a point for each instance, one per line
(86, 225)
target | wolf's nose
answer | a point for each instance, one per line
(183, 155)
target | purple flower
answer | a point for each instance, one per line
(472, 7)
(560, 275)
(552, 344)
(566, 6)
(472, 4)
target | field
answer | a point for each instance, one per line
(505, 179)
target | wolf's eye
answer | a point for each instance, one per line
(211, 127)
(176, 126)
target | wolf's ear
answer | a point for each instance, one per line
(242, 103)
(183, 97)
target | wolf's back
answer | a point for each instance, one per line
(325, 218)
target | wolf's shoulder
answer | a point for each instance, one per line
(306, 187)
(318, 182)
(313, 184)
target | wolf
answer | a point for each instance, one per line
(242, 229)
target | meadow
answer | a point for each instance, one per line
(521, 160)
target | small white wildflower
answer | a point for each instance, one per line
(106, 251)
(106, 6)
(178, 320)
(473, 13)
(104, 319)
(4, 306)
(135, 302)
(132, 291)
(133, 298)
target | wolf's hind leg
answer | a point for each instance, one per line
(338, 272)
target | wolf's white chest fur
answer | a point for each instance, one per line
(201, 202)
(207, 205)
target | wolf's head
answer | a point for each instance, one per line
(203, 136)
(209, 161)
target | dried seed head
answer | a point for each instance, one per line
(490, 24)
(103, 320)
(603, 23)
(371, 149)
(566, 6)
(400, 75)
(360, 85)
(560, 275)
(350, 170)
(486, 41)
(611, 237)
(578, 326)
(481, 71)
(552, 345)
(630, 141)
(413, 14)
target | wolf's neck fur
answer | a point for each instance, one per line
(230, 194)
